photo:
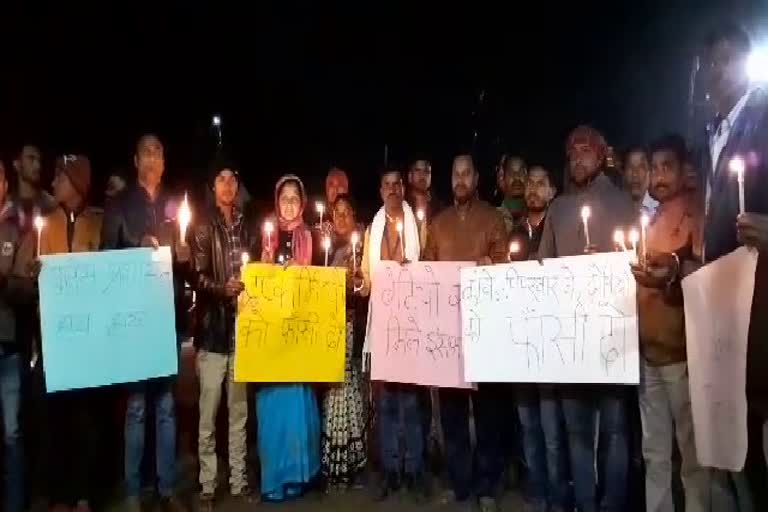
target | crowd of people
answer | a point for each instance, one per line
(330, 436)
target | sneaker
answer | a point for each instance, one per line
(418, 487)
(82, 506)
(488, 504)
(132, 504)
(172, 504)
(389, 484)
(206, 501)
(245, 496)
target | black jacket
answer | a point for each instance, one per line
(215, 312)
(133, 215)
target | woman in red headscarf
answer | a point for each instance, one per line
(288, 415)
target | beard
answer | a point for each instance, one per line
(462, 195)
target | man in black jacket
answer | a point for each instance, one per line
(142, 216)
(220, 246)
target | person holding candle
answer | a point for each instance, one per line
(144, 216)
(220, 243)
(344, 428)
(539, 192)
(665, 406)
(398, 406)
(29, 198)
(564, 235)
(420, 195)
(288, 415)
(739, 131)
(472, 230)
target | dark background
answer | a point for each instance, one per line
(303, 86)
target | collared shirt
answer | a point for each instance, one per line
(720, 137)
(661, 321)
(234, 253)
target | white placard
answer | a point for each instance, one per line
(569, 320)
(718, 303)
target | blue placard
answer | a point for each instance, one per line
(107, 318)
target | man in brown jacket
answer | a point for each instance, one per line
(471, 230)
(665, 402)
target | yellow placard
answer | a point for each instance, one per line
(291, 324)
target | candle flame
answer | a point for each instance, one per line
(326, 242)
(618, 237)
(514, 247)
(269, 227)
(399, 227)
(320, 207)
(737, 165)
(39, 222)
(355, 238)
(185, 215)
(420, 215)
(634, 236)
(585, 212)
(245, 258)
(644, 220)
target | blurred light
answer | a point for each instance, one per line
(216, 120)
(737, 165)
(757, 65)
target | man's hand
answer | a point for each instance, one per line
(485, 260)
(357, 281)
(34, 268)
(183, 253)
(752, 230)
(233, 287)
(150, 241)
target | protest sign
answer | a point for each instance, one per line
(107, 318)
(291, 324)
(571, 319)
(416, 325)
(718, 302)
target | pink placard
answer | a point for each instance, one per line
(416, 324)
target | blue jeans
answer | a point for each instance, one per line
(580, 405)
(10, 398)
(160, 392)
(481, 474)
(396, 402)
(544, 446)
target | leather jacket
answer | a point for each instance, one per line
(215, 312)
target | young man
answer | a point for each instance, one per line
(30, 198)
(218, 244)
(471, 230)
(141, 217)
(665, 403)
(13, 271)
(635, 179)
(514, 174)
(73, 440)
(541, 415)
(420, 194)
(398, 406)
(564, 236)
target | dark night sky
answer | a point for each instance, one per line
(301, 87)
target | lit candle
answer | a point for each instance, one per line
(400, 238)
(421, 216)
(634, 237)
(185, 215)
(326, 247)
(39, 223)
(244, 259)
(644, 221)
(268, 229)
(320, 207)
(355, 238)
(514, 248)
(618, 239)
(737, 165)
(585, 213)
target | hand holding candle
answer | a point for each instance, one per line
(39, 223)
(738, 166)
